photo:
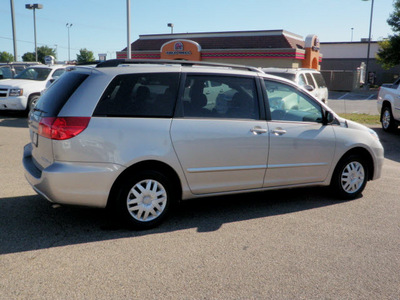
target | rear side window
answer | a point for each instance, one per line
(226, 97)
(51, 102)
(140, 95)
(320, 80)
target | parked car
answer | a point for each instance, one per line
(310, 79)
(140, 136)
(22, 92)
(11, 69)
(389, 105)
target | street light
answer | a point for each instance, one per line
(34, 7)
(69, 25)
(369, 43)
(172, 27)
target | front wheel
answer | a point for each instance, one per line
(350, 177)
(387, 120)
(145, 199)
(32, 102)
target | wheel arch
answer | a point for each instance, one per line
(153, 165)
(365, 154)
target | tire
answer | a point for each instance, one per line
(350, 177)
(387, 120)
(145, 199)
(32, 102)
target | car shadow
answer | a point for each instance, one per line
(13, 119)
(31, 223)
(390, 142)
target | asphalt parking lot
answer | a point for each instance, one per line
(362, 102)
(290, 244)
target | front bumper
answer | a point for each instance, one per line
(13, 103)
(84, 184)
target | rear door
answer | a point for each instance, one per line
(222, 146)
(47, 108)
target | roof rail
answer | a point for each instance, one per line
(117, 62)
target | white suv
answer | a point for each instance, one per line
(309, 79)
(139, 136)
(22, 92)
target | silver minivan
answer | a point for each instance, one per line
(140, 136)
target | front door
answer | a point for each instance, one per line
(301, 147)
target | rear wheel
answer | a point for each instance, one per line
(387, 120)
(145, 199)
(350, 177)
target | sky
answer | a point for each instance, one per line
(101, 26)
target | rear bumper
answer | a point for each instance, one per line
(85, 184)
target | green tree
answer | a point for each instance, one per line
(43, 51)
(389, 53)
(85, 56)
(6, 57)
(29, 56)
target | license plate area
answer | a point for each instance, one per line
(35, 139)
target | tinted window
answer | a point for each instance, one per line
(140, 95)
(289, 104)
(220, 97)
(6, 72)
(59, 92)
(320, 80)
(58, 73)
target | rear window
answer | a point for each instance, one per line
(54, 98)
(140, 95)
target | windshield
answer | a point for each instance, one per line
(33, 73)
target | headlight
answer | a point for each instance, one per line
(16, 92)
(373, 133)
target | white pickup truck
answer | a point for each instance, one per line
(389, 105)
(22, 92)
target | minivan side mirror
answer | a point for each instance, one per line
(328, 117)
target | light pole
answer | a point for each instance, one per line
(369, 43)
(69, 25)
(34, 7)
(128, 29)
(172, 27)
(352, 33)
(13, 30)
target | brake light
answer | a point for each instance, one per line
(62, 128)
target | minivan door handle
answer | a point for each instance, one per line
(258, 130)
(279, 131)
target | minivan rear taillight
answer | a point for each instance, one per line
(62, 128)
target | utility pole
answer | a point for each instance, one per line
(13, 30)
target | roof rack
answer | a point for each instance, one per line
(117, 62)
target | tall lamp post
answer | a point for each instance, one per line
(172, 27)
(69, 25)
(369, 43)
(128, 29)
(34, 7)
